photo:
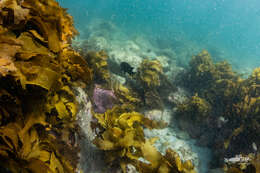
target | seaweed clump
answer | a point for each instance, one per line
(196, 110)
(154, 83)
(98, 62)
(122, 139)
(38, 68)
(227, 109)
(149, 73)
(126, 96)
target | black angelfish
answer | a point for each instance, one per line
(126, 68)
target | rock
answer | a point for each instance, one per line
(159, 115)
(164, 61)
(131, 169)
(84, 116)
(91, 158)
(118, 78)
(119, 55)
(98, 43)
(179, 141)
(178, 97)
(131, 46)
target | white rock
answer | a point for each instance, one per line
(159, 115)
(119, 56)
(163, 60)
(131, 169)
(178, 97)
(100, 43)
(118, 78)
(84, 116)
(91, 159)
(172, 137)
(131, 46)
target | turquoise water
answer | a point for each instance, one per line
(227, 27)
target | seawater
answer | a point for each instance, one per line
(228, 29)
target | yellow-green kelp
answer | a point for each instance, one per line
(122, 139)
(37, 71)
(226, 107)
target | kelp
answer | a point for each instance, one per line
(122, 139)
(122, 134)
(203, 73)
(149, 73)
(98, 62)
(153, 99)
(75, 67)
(168, 163)
(152, 80)
(125, 95)
(231, 109)
(63, 103)
(195, 109)
(38, 67)
(26, 149)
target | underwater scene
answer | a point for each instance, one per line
(129, 86)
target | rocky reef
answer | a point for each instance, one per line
(144, 90)
(121, 47)
(104, 104)
(47, 121)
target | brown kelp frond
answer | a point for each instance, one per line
(98, 62)
(122, 138)
(44, 19)
(125, 95)
(195, 109)
(203, 73)
(149, 73)
(229, 106)
(153, 81)
(38, 68)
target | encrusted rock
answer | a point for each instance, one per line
(159, 115)
(91, 160)
(178, 97)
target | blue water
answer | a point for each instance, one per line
(231, 27)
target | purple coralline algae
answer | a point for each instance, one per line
(103, 99)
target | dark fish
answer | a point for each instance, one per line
(126, 68)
